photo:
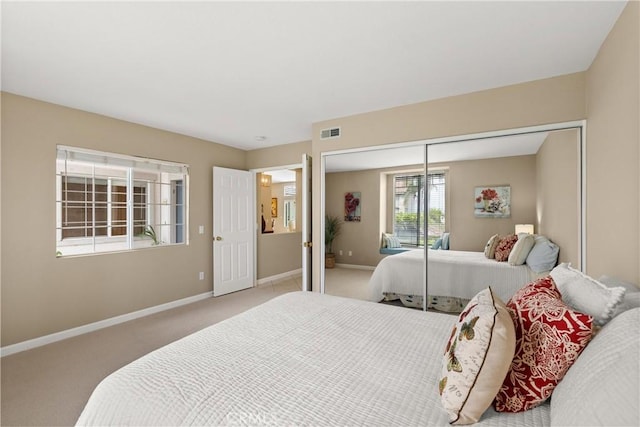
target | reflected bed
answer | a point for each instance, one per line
(454, 278)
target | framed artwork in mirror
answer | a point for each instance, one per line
(274, 207)
(352, 206)
(493, 201)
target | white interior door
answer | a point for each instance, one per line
(233, 229)
(306, 222)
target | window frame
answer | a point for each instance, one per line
(161, 208)
(419, 237)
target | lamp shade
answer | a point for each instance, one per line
(524, 228)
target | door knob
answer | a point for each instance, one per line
(218, 238)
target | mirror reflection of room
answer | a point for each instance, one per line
(541, 170)
(278, 199)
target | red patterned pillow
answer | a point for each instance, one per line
(549, 338)
(504, 247)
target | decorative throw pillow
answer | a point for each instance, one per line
(490, 247)
(505, 246)
(631, 297)
(543, 256)
(383, 241)
(521, 249)
(549, 338)
(586, 294)
(477, 357)
(392, 241)
(437, 244)
(445, 241)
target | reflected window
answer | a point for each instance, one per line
(410, 205)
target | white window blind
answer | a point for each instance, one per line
(436, 185)
(410, 204)
(110, 202)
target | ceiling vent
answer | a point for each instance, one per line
(330, 133)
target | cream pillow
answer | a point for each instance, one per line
(490, 247)
(521, 249)
(477, 358)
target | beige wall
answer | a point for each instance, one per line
(279, 253)
(361, 238)
(613, 155)
(469, 233)
(558, 195)
(280, 155)
(554, 100)
(42, 294)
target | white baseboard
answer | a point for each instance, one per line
(59, 336)
(356, 267)
(279, 277)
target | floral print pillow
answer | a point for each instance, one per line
(549, 338)
(504, 247)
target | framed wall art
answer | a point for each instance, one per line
(493, 201)
(352, 206)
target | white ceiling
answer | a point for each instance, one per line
(230, 71)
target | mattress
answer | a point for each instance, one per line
(300, 359)
(458, 274)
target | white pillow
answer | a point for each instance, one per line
(521, 249)
(586, 294)
(631, 297)
(543, 256)
(602, 386)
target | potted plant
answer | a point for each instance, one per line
(332, 227)
(151, 233)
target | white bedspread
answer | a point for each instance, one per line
(300, 359)
(451, 273)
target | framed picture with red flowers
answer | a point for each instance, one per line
(493, 201)
(352, 206)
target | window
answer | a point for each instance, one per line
(289, 206)
(437, 205)
(109, 202)
(409, 206)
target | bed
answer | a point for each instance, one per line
(454, 278)
(300, 359)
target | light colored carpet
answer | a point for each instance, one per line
(347, 282)
(49, 385)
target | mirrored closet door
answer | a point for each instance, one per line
(396, 209)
